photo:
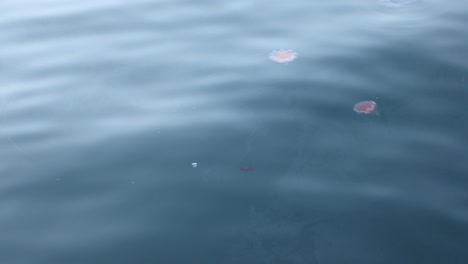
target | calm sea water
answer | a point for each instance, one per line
(105, 105)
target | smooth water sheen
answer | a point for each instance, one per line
(105, 105)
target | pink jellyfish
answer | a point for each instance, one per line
(366, 107)
(246, 169)
(282, 56)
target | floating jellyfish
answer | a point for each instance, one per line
(366, 107)
(246, 169)
(282, 56)
(194, 164)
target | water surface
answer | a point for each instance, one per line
(105, 105)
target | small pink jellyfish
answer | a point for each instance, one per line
(282, 56)
(246, 169)
(366, 107)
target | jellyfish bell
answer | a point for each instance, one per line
(282, 56)
(366, 107)
(246, 169)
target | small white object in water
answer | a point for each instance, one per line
(283, 56)
(194, 164)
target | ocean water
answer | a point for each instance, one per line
(105, 105)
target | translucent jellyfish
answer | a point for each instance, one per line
(194, 164)
(282, 56)
(366, 107)
(246, 169)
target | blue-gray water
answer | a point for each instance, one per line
(105, 105)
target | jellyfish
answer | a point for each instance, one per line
(282, 56)
(246, 169)
(366, 107)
